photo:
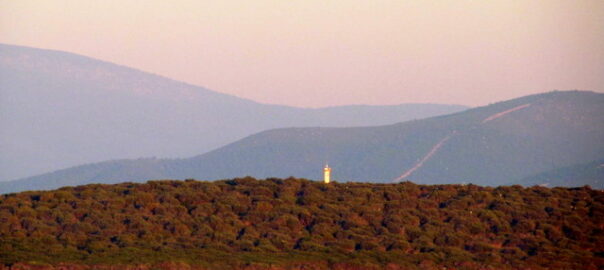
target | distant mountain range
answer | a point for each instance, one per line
(498, 144)
(59, 109)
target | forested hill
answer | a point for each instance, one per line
(310, 225)
(493, 145)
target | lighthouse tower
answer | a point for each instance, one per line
(326, 174)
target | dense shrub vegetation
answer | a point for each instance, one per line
(282, 222)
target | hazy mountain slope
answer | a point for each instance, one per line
(59, 109)
(108, 172)
(591, 174)
(557, 129)
(492, 145)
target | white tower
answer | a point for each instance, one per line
(326, 174)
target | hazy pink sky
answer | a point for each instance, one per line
(319, 52)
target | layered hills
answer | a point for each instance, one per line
(59, 110)
(299, 224)
(498, 144)
(491, 145)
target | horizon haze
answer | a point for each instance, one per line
(318, 54)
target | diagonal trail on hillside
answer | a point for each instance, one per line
(500, 114)
(440, 143)
(426, 157)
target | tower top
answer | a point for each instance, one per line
(326, 174)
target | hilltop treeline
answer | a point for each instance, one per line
(260, 223)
